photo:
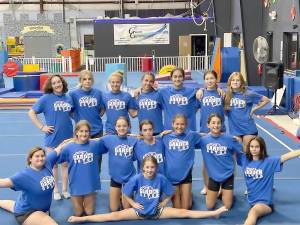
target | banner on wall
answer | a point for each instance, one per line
(141, 34)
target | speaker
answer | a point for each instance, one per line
(272, 76)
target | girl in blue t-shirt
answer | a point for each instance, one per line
(120, 150)
(82, 156)
(152, 191)
(36, 182)
(149, 103)
(179, 154)
(239, 108)
(88, 103)
(211, 101)
(259, 169)
(179, 100)
(117, 103)
(218, 150)
(149, 145)
(56, 107)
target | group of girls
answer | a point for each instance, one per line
(174, 151)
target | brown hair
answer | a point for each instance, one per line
(148, 74)
(145, 122)
(80, 124)
(229, 92)
(150, 158)
(84, 73)
(178, 69)
(210, 72)
(48, 86)
(212, 116)
(32, 152)
(123, 118)
(177, 116)
(263, 148)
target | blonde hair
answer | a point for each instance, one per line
(179, 116)
(32, 152)
(80, 124)
(118, 74)
(82, 74)
(229, 92)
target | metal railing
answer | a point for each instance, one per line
(50, 65)
(135, 64)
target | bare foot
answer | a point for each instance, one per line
(75, 219)
(219, 211)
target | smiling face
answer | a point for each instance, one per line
(86, 82)
(177, 78)
(179, 125)
(149, 169)
(214, 124)
(37, 160)
(82, 134)
(57, 85)
(236, 82)
(210, 81)
(147, 83)
(122, 127)
(115, 83)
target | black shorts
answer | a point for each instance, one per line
(188, 179)
(150, 217)
(270, 205)
(254, 134)
(115, 184)
(22, 217)
(215, 185)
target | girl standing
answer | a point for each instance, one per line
(117, 103)
(259, 170)
(179, 153)
(218, 150)
(152, 193)
(120, 150)
(82, 156)
(239, 107)
(56, 107)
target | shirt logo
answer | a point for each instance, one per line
(147, 103)
(179, 145)
(178, 99)
(47, 183)
(158, 156)
(83, 157)
(62, 106)
(123, 150)
(216, 149)
(87, 101)
(237, 103)
(254, 173)
(116, 104)
(211, 101)
(149, 192)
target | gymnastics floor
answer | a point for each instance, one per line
(18, 135)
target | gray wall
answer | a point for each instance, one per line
(104, 38)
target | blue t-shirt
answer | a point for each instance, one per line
(179, 101)
(211, 102)
(259, 176)
(157, 150)
(150, 108)
(120, 156)
(83, 166)
(180, 154)
(239, 120)
(56, 109)
(36, 187)
(116, 105)
(148, 192)
(218, 153)
(87, 106)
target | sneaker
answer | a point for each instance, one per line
(66, 195)
(203, 191)
(56, 196)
